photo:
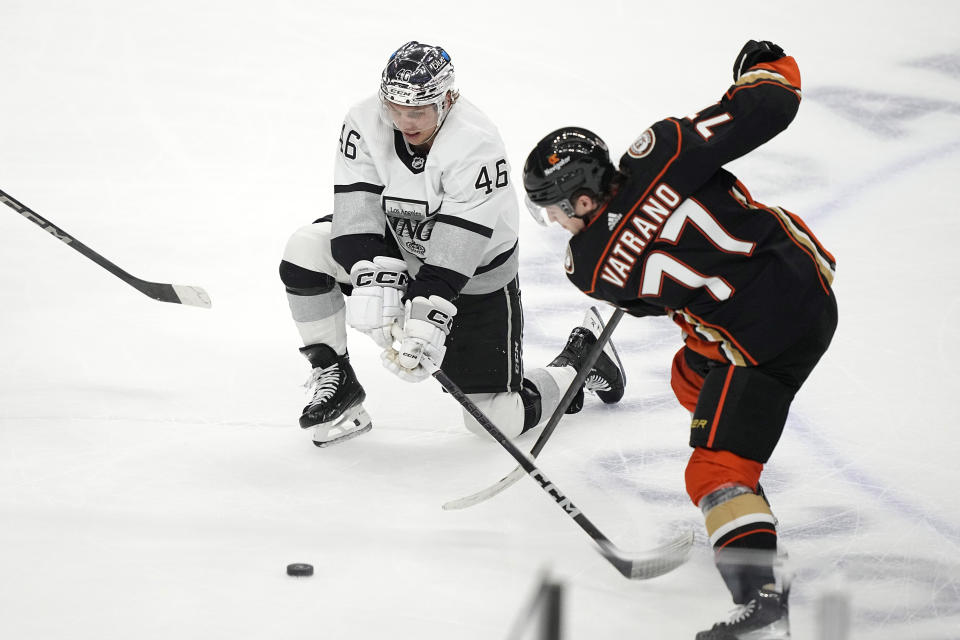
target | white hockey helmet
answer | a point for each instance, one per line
(419, 74)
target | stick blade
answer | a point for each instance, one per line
(192, 296)
(175, 293)
(653, 563)
(485, 494)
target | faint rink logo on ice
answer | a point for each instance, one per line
(887, 113)
(891, 590)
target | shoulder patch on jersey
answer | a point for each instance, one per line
(568, 261)
(643, 145)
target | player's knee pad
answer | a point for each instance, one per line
(303, 282)
(532, 404)
(709, 470)
(504, 409)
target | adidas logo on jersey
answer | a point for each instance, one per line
(613, 219)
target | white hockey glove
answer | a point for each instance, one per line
(376, 301)
(426, 324)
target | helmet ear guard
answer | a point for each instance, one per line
(563, 163)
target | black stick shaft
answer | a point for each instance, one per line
(512, 477)
(534, 472)
(63, 236)
(574, 387)
(157, 290)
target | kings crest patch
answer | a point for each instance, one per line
(643, 145)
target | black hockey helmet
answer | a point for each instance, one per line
(564, 162)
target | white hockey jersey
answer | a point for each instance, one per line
(453, 210)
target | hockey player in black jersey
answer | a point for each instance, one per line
(673, 233)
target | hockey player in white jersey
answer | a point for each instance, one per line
(420, 254)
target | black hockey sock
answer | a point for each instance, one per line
(743, 532)
(532, 405)
(745, 569)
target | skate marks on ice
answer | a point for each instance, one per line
(839, 523)
(902, 581)
(893, 590)
(886, 496)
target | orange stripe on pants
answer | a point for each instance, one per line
(686, 382)
(723, 397)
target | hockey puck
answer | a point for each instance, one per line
(299, 569)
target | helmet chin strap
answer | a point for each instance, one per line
(429, 141)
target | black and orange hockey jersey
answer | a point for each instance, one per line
(683, 237)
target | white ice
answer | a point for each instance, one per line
(153, 480)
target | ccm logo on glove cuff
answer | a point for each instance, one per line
(395, 279)
(440, 319)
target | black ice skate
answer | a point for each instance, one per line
(607, 379)
(335, 410)
(763, 617)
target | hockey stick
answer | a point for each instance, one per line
(547, 605)
(512, 477)
(177, 293)
(642, 566)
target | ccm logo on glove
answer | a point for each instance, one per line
(376, 303)
(440, 319)
(396, 279)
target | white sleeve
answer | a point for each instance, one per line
(356, 183)
(477, 197)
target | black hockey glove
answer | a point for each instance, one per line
(754, 53)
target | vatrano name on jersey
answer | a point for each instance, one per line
(639, 229)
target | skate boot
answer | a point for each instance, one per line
(335, 410)
(763, 617)
(607, 379)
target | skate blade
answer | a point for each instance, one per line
(350, 425)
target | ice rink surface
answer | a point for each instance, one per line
(153, 480)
